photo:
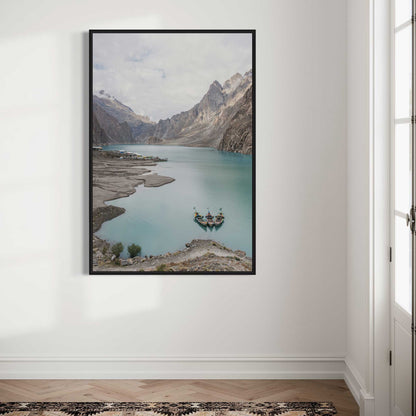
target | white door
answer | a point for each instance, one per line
(402, 184)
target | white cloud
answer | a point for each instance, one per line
(161, 74)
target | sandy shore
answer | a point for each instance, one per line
(115, 178)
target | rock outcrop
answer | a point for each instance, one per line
(109, 128)
(154, 140)
(238, 137)
(205, 123)
(197, 256)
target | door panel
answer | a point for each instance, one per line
(403, 265)
(402, 370)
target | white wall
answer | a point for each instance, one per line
(358, 188)
(294, 307)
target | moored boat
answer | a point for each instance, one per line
(219, 219)
(210, 219)
(200, 219)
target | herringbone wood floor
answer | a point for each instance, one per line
(181, 390)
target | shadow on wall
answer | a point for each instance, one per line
(48, 303)
(51, 301)
(50, 248)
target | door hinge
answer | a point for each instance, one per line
(390, 358)
(411, 219)
(390, 254)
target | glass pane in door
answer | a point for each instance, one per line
(403, 266)
(403, 168)
(403, 72)
(403, 11)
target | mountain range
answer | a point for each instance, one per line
(222, 120)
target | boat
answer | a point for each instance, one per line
(210, 219)
(200, 219)
(219, 219)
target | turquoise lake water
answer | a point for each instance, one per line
(160, 219)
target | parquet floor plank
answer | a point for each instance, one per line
(181, 390)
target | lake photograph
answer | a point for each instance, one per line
(172, 152)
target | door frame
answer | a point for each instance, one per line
(380, 37)
(391, 225)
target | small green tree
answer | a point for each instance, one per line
(117, 249)
(134, 250)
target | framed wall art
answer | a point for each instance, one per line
(172, 151)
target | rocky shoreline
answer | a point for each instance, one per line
(115, 178)
(197, 256)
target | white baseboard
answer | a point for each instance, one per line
(357, 387)
(191, 367)
(151, 367)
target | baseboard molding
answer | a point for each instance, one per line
(163, 367)
(357, 387)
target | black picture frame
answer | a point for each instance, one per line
(172, 31)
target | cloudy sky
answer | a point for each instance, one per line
(161, 74)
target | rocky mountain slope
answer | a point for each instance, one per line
(222, 119)
(99, 136)
(205, 123)
(107, 129)
(154, 140)
(238, 136)
(141, 126)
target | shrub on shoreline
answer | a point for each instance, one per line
(117, 249)
(134, 250)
